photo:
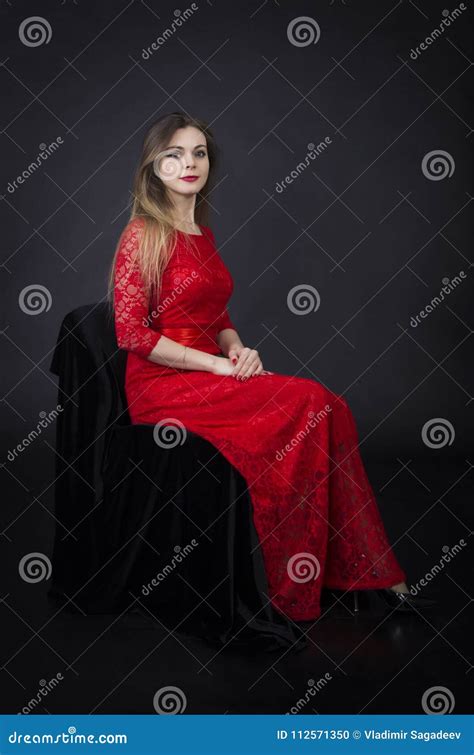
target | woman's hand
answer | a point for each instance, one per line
(241, 364)
(247, 363)
(222, 366)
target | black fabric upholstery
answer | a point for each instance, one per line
(168, 531)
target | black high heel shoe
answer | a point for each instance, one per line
(404, 602)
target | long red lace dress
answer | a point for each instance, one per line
(294, 441)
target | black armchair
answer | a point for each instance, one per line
(165, 530)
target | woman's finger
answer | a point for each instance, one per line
(242, 357)
(251, 369)
(249, 359)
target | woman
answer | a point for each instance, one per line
(292, 439)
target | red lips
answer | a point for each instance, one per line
(189, 178)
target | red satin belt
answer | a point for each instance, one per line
(191, 336)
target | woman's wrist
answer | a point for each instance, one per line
(199, 360)
(171, 353)
(210, 362)
(229, 339)
(234, 345)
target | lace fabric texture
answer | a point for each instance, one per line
(294, 441)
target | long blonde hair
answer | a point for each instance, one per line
(152, 203)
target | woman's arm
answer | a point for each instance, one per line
(246, 362)
(228, 340)
(132, 325)
(174, 354)
(227, 336)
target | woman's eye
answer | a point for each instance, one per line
(199, 153)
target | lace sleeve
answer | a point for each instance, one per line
(131, 309)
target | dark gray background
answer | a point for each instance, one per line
(364, 226)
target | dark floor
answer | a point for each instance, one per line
(371, 662)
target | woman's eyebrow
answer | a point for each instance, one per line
(177, 146)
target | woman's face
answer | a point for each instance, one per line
(185, 157)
